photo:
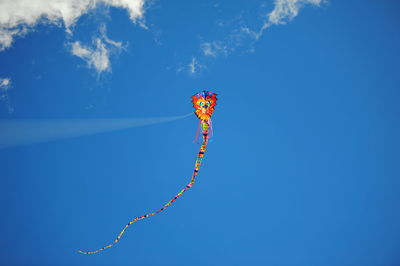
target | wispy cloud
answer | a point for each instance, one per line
(17, 17)
(282, 12)
(237, 38)
(215, 48)
(5, 86)
(97, 55)
(193, 68)
(285, 11)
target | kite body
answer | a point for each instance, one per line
(204, 103)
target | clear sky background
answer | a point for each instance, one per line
(303, 168)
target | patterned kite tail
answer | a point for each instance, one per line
(205, 128)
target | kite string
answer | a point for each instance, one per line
(205, 129)
(211, 129)
(197, 133)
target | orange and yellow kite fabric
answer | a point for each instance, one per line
(204, 103)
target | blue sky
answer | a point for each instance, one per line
(303, 166)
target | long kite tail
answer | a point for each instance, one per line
(200, 156)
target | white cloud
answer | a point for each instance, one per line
(97, 56)
(6, 38)
(208, 49)
(237, 38)
(215, 48)
(5, 85)
(283, 12)
(19, 16)
(193, 68)
(286, 10)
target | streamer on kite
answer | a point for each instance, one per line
(204, 103)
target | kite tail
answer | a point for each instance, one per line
(205, 129)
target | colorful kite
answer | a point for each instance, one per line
(204, 103)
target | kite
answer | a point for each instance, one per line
(204, 103)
